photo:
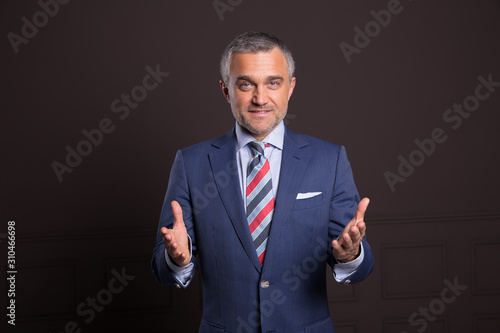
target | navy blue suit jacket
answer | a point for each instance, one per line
(289, 289)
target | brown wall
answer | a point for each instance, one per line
(440, 224)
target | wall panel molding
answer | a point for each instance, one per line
(56, 291)
(413, 270)
(381, 219)
(401, 325)
(141, 287)
(107, 233)
(485, 272)
(486, 323)
(346, 326)
(150, 231)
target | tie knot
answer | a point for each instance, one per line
(257, 147)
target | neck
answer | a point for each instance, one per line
(259, 137)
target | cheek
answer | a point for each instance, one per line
(281, 97)
(282, 102)
(240, 102)
(237, 107)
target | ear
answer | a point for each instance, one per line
(225, 90)
(291, 87)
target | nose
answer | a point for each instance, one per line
(260, 96)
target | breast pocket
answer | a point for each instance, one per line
(304, 202)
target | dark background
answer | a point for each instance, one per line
(441, 223)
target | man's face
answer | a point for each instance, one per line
(258, 90)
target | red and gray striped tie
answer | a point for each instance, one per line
(260, 199)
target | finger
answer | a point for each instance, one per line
(174, 249)
(178, 256)
(337, 248)
(346, 241)
(361, 225)
(362, 228)
(354, 233)
(168, 237)
(360, 211)
(177, 211)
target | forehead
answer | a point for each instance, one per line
(259, 64)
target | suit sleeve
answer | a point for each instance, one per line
(343, 204)
(177, 190)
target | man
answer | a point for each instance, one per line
(265, 208)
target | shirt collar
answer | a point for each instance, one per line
(274, 138)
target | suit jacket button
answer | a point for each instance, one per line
(177, 286)
(346, 282)
(264, 284)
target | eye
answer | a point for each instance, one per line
(245, 86)
(274, 84)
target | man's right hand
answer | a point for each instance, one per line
(176, 239)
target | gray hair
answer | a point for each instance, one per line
(253, 42)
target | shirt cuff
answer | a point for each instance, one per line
(181, 273)
(343, 270)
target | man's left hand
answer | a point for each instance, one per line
(347, 247)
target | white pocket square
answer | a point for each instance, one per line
(307, 195)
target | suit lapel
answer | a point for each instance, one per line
(223, 160)
(294, 162)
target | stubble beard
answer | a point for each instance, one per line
(246, 124)
(250, 128)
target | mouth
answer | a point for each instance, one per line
(259, 111)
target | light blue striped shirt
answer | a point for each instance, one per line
(273, 154)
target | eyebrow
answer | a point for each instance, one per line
(269, 78)
(276, 77)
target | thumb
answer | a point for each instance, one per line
(177, 211)
(360, 211)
